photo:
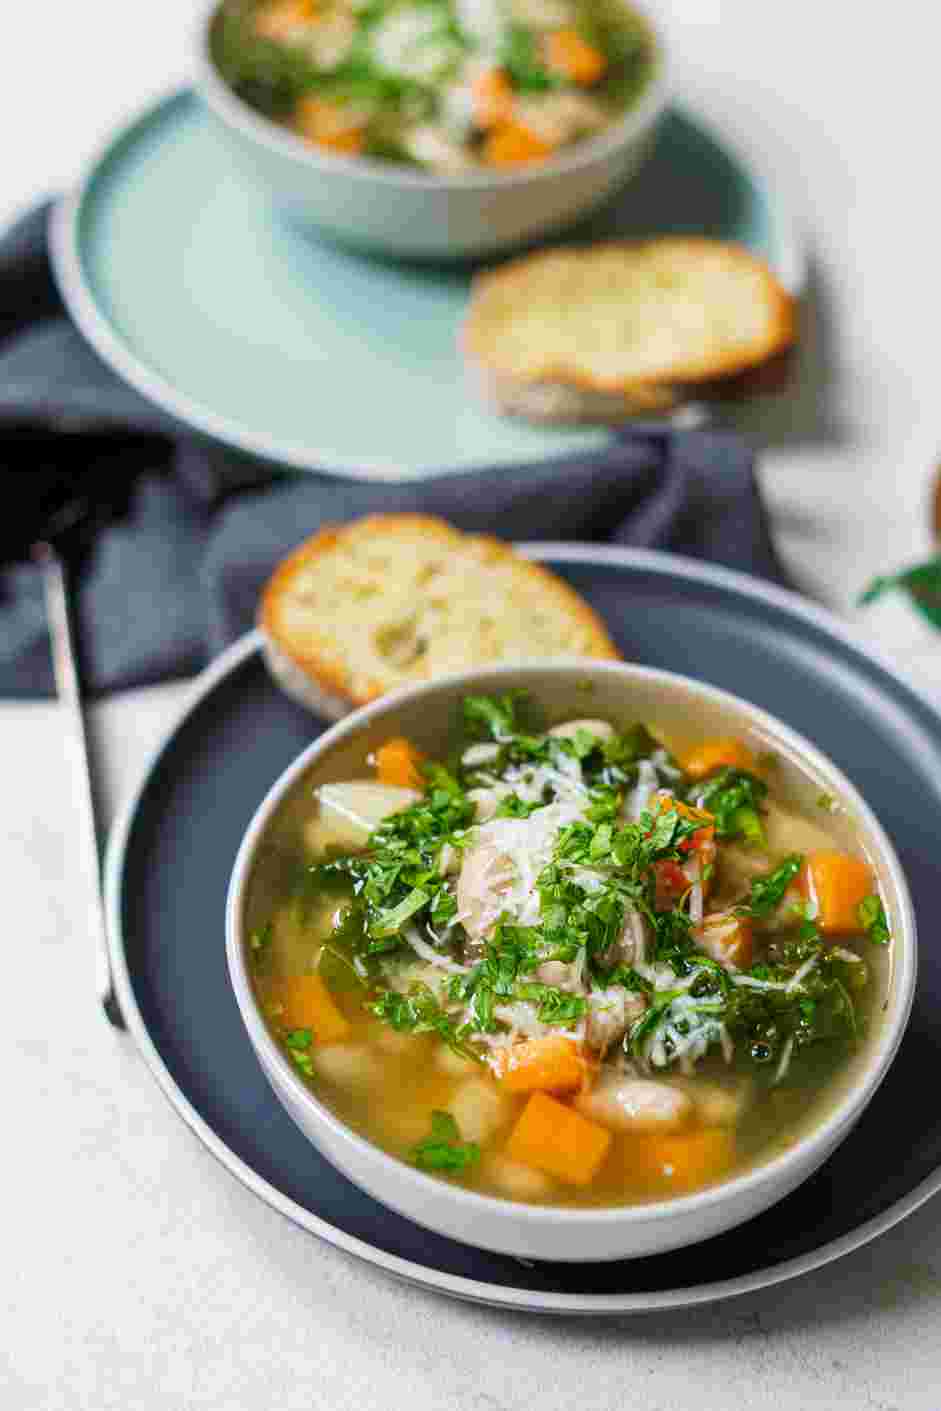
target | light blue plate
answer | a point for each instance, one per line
(183, 279)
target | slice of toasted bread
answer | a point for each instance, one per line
(395, 599)
(623, 329)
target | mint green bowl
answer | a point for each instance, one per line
(397, 210)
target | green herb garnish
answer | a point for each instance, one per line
(418, 1012)
(444, 1150)
(298, 1043)
(735, 799)
(767, 893)
(260, 940)
(873, 920)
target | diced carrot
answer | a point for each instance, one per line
(711, 755)
(558, 1141)
(839, 883)
(492, 93)
(510, 144)
(679, 1162)
(305, 1003)
(329, 125)
(277, 20)
(552, 1064)
(570, 56)
(728, 939)
(399, 762)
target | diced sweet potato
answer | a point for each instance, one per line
(510, 144)
(277, 20)
(712, 755)
(493, 99)
(305, 1003)
(399, 762)
(570, 56)
(839, 882)
(552, 1064)
(680, 1162)
(554, 1139)
(329, 125)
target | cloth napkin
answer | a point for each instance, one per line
(186, 532)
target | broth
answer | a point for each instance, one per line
(588, 1011)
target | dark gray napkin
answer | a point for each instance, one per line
(189, 532)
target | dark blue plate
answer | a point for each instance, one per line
(169, 865)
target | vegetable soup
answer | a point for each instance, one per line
(597, 964)
(447, 85)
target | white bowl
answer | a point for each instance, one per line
(625, 693)
(400, 211)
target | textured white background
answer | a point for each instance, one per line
(138, 1273)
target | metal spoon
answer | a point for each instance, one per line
(68, 688)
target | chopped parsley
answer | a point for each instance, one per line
(298, 1043)
(555, 1006)
(512, 806)
(418, 1012)
(873, 920)
(493, 717)
(600, 882)
(259, 942)
(735, 799)
(443, 1150)
(397, 880)
(767, 893)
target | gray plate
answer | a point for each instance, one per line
(172, 851)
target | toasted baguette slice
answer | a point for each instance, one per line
(395, 599)
(622, 330)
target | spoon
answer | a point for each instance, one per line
(68, 688)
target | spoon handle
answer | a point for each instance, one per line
(69, 691)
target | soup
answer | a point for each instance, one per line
(588, 965)
(448, 85)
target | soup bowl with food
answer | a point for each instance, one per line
(435, 128)
(570, 961)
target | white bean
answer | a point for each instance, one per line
(479, 1109)
(717, 1104)
(517, 1181)
(347, 1065)
(636, 1105)
(397, 1042)
(454, 1063)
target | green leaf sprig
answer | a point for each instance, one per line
(443, 1150)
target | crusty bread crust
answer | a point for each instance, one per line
(320, 661)
(506, 294)
(560, 402)
(300, 685)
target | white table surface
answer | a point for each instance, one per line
(139, 1274)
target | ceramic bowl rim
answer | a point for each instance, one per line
(632, 127)
(820, 1141)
